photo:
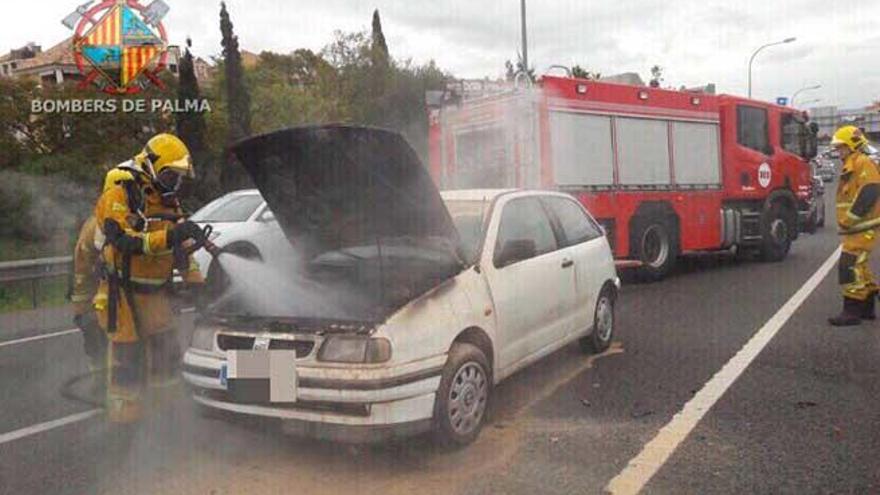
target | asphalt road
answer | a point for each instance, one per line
(802, 417)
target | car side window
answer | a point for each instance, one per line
(525, 220)
(576, 226)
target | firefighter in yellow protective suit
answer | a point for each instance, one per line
(858, 217)
(85, 282)
(143, 237)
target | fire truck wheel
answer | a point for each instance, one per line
(776, 232)
(656, 246)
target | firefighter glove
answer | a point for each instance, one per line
(185, 231)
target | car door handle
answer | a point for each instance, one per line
(567, 263)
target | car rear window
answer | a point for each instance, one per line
(237, 208)
(576, 225)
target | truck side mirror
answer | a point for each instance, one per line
(514, 251)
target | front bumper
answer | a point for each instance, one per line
(334, 402)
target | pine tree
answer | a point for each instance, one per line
(379, 48)
(191, 128)
(238, 98)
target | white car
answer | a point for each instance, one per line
(243, 224)
(432, 301)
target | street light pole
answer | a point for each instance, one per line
(752, 59)
(805, 88)
(525, 41)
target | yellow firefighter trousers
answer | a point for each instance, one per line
(856, 279)
(148, 355)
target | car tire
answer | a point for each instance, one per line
(656, 246)
(776, 232)
(603, 325)
(812, 223)
(463, 396)
(820, 223)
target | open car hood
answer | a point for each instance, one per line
(368, 228)
(337, 186)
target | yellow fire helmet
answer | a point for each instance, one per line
(166, 152)
(116, 176)
(850, 136)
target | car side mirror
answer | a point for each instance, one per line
(514, 251)
(267, 216)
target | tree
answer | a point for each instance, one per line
(511, 71)
(581, 73)
(392, 97)
(379, 49)
(656, 76)
(238, 101)
(191, 129)
(294, 89)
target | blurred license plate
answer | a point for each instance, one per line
(260, 375)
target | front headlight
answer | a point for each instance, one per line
(203, 338)
(355, 350)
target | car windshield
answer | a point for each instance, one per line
(468, 217)
(233, 208)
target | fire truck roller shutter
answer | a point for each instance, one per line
(654, 233)
(695, 152)
(582, 150)
(643, 152)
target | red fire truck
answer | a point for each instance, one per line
(665, 172)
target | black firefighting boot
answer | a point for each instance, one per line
(850, 316)
(868, 305)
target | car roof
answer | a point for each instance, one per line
(244, 192)
(474, 194)
(493, 194)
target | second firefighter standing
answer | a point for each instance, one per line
(858, 218)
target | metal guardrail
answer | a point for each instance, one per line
(34, 271)
(15, 271)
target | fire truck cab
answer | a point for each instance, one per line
(665, 172)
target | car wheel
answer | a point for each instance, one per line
(603, 325)
(776, 233)
(812, 223)
(820, 223)
(463, 396)
(656, 246)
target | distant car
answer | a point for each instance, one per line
(816, 216)
(243, 224)
(408, 305)
(873, 152)
(824, 168)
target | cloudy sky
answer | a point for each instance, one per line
(696, 41)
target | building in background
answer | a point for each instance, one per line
(57, 64)
(829, 118)
(10, 62)
(52, 66)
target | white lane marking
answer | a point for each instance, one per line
(656, 452)
(39, 337)
(48, 425)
